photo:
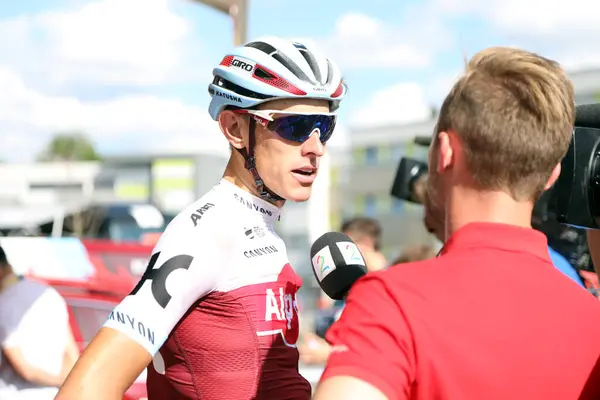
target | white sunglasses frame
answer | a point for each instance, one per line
(267, 115)
(263, 117)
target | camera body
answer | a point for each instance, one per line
(409, 173)
(575, 197)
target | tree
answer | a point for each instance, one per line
(70, 146)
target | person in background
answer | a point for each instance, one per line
(593, 239)
(38, 348)
(366, 233)
(415, 253)
(552, 229)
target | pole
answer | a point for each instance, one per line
(239, 14)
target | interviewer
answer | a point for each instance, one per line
(491, 318)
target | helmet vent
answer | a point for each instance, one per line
(262, 74)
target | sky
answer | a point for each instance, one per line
(133, 74)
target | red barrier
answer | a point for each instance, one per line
(125, 260)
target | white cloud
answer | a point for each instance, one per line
(565, 30)
(360, 41)
(137, 123)
(117, 42)
(103, 43)
(544, 17)
(401, 103)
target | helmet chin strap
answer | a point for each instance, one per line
(250, 163)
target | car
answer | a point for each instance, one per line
(90, 303)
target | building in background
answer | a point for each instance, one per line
(170, 181)
(37, 193)
(587, 85)
(362, 180)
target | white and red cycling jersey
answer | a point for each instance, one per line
(217, 305)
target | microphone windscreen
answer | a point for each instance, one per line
(337, 263)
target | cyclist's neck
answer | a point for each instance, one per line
(244, 181)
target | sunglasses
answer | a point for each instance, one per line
(294, 126)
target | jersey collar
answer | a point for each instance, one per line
(498, 236)
(268, 211)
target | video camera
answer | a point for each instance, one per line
(575, 197)
(563, 211)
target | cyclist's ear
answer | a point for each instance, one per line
(235, 128)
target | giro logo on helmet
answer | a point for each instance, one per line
(242, 65)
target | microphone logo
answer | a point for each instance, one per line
(321, 262)
(351, 253)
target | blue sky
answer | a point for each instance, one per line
(133, 73)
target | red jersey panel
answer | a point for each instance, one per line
(235, 345)
(491, 318)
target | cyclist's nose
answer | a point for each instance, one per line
(313, 145)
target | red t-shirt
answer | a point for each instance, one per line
(491, 318)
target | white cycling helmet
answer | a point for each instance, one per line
(272, 68)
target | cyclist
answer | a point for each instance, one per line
(215, 315)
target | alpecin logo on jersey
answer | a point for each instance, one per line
(281, 308)
(261, 251)
(252, 206)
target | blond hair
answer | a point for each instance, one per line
(513, 111)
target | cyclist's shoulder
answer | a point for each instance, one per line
(210, 218)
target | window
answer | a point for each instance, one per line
(358, 155)
(370, 205)
(359, 205)
(371, 155)
(384, 204)
(127, 229)
(398, 206)
(409, 149)
(384, 155)
(422, 153)
(397, 152)
(56, 186)
(90, 317)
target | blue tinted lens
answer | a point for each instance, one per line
(297, 128)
